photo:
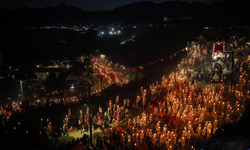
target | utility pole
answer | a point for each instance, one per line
(21, 85)
(232, 72)
(88, 62)
(90, 114)
(101, 81)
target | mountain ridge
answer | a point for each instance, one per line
(145, 12)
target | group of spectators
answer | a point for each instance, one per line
(175, 114)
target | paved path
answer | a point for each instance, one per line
(78, 134)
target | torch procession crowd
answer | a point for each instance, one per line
(106, 73)
(175, 113)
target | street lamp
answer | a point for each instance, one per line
(232, 52)
(90, 114)
(41, 123)
(19, 126)
(102, 56)
(21, 85)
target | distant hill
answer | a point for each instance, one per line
(144, 12)
(136, 13)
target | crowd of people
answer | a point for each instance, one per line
(175, 113)
(101, 67)
(201, 58)
(20, 107)
(107, 74)
(172, 114)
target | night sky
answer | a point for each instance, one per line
(87, 5)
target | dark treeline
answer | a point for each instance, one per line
(235, 11)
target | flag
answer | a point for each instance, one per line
(175, 122)
(171, 118)
(160, 114)
(88, 80)
(50, 131)
(111, 74)
(8, 98)
(141, 67)
(67, 88)
(161, 59)
(106, 134)
(25, 103)
(171, 57)
(56, 91)
(133, 69)
(98, 77)
(71, 128)
(130, 127)
(118, 128)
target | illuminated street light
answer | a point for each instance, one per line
(21, 85)
(72, 87)
(102, 56)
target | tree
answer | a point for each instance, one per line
(1, 59)
(52, 76)
(66, 93)
(51, 81)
